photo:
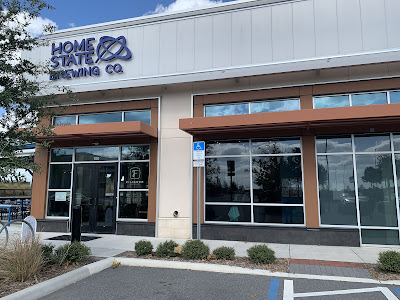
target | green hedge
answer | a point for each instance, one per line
(143, 248)
(389, 261)
(261, 254)
(166, 249)
(224, 253)
(195, 249)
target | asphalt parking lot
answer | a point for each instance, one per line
(153, 283)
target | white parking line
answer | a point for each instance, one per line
(288, 292)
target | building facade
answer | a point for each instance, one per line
(298, 103)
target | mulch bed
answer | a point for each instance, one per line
(46, 273)
(280, 265)
(381, 275)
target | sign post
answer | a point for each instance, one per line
(198, 162)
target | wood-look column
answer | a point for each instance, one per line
(39, 183)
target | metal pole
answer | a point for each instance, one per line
(198, 205)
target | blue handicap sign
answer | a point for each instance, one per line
(198, 146)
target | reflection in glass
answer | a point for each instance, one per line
(61, 155)
(100, 118)
(133, 205)
(331, 101)
(395, 97)
(63, 121)
(136, 152)
(397, 159)
(277, 180)
(134, 175)
(143, 116)
(96, 154)
(376, 190)
(84, 178)
(220, 148)
(272, 106)
(396, 142)
(334, 144)
(60, 177)
(336, 190)
(228, 213)
(278, 214)
(227, 110)
(373, 143)
(380, 237)
(368, 99)
(276, 146)
(228, 179)
(58, 204)
(105, 196)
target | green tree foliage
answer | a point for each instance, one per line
(22, 96)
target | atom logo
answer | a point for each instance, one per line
(106, 46)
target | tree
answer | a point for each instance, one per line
(23, 98)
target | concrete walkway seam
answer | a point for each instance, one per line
(205, 267)
(47, 287)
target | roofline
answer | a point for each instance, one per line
(227, 6)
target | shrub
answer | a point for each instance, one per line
(166, 249)
(21, 261)
(224, 253)
(72, 253)
(143, 247)
(389, 261)
(195, 249)
(48, 255)
(261, 254)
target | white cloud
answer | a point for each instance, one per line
(180, 5)
(37, 25)
(71, 25)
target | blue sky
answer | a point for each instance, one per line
(79, 13)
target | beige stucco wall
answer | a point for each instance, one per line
(175, 165)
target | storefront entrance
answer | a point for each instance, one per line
(95, 190)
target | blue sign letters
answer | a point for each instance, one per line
(79, 53)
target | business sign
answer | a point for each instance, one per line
(81, 58)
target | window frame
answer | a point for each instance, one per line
(251, 203)
(73, 162)
(356, 93)
(249, 105)
(360, 227)
(122, 112)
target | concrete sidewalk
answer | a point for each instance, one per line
(110, 245)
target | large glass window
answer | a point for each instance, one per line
(133, 186)
(356, 99)
(251, 107)
(109, 117)
(365, 199)
(331, 101)
(254, 181)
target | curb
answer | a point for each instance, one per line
(205, 267)
(52, 285)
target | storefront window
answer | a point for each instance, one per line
(58, 203)
(395, 97)
(96, 154)
(134, 175)
(60, 177)
(135, 153)
(133, 205)
(61, 155)
(369, 193)
(233, 167)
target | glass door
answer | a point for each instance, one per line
(95, 191)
